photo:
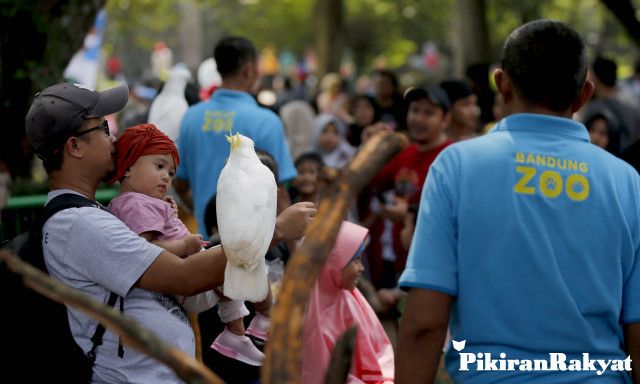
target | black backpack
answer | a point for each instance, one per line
(36, 340)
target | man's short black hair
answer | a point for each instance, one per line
(547, 63)
(389, 75)
(605, 70)
(231, 53)
(312, 157)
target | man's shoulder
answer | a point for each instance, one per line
(261, 112)
(199, 107)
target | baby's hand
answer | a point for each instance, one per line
(173, 203)
(192, 243)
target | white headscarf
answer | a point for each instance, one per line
(343, 152)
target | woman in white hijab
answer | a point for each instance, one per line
(329, 140)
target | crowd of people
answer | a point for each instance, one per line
(512, 218)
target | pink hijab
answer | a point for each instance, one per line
(332, 310)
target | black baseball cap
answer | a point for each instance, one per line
(58, 111)
(434, 94)
(456, 89)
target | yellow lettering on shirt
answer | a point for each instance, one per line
(555, 176)
(218, 121)
(550, 184)
(527, 174)
(577, 187)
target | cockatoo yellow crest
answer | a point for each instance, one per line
(234, 140)
(246, 210)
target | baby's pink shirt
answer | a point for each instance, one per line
(142, 213)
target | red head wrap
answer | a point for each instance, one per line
(141, 140)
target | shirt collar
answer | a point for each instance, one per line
(232, 94)
(533, 122)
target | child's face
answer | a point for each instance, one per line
(150, 175)
(466, 113)
(425, 121)
(599, 132)
(351, 274)
(329, 138)
(307, 180)
(363, 112)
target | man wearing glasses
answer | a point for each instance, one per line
(92, 251)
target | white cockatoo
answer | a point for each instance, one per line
(208, 74)
(246, 209)
(170, 105)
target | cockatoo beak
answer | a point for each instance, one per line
(234, 140)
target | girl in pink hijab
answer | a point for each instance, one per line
(334, 306)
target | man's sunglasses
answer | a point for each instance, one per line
(104, 126)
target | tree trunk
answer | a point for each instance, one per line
(329, 35)
(470, 35)
(625, 12)
(190, 30)
(37, 40)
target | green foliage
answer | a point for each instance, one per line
(284, 24)
(134, 26)
(393, 29)
(142, 22)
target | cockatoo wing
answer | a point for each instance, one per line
(241, 284)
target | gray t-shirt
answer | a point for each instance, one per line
(93, 251)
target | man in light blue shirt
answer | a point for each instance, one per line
(528, 239)
(202, 145)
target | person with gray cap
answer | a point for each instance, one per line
(92, 251)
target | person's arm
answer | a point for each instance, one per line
(183, 247)
(184, 191)
(632, 340)
(197, 273)
(422, 332)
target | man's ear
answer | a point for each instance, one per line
(503, 84)
(73, 148)
(247, 70)
(584, 96)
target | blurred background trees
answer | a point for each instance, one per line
(436, 38)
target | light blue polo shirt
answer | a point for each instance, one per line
(204, 150)
(535, 232)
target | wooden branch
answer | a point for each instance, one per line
(625, 12)
(283, 351)
(186, 367)
(340, 363)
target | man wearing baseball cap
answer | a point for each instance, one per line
(91, 250)
(399, 183)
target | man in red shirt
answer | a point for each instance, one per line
(399, 183)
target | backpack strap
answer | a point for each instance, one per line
(96, 339)
(65, 201)
(73, 200)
